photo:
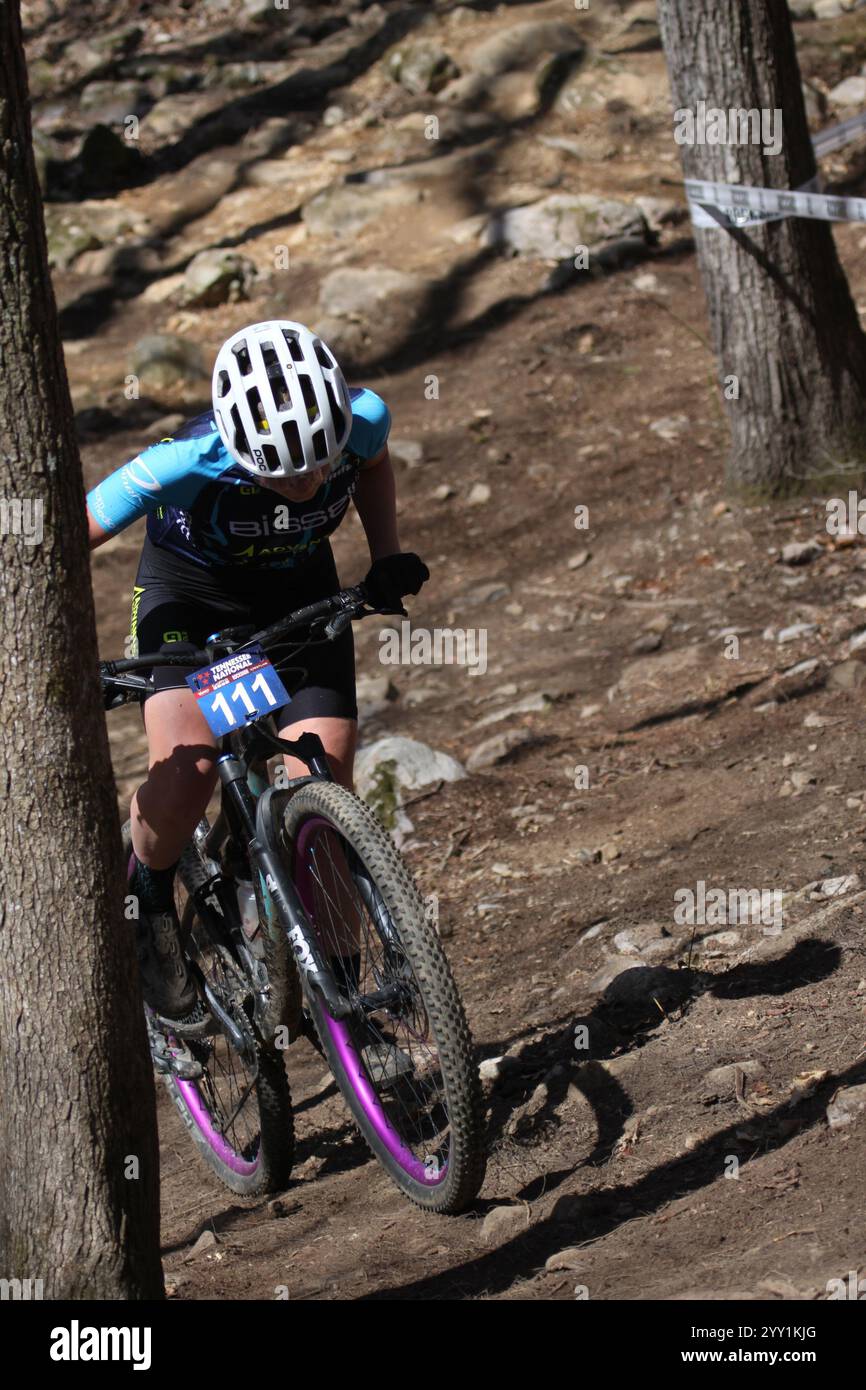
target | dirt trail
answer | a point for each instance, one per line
(736, 764)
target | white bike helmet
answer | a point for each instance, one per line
(280, 401)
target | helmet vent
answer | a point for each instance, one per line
(292, 437)
(258, 410)
(223, 384)
(243, 358)
(323, 357)
(309, 394)
(272, 457)
(339, 417)
(320, 444)
(294, 346)
(241, 444)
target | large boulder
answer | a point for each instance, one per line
(115, 101)
(72, 229)
(384, 770)
(163, 362)
(514, 70)
(524, 44)
(346, 208)
(352, 292)
(217, 277)
(101, 51)
(554, 227)
(368, 313)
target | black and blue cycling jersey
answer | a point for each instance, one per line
(206, 508)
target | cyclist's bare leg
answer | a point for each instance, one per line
(181, 777)
(339, 737)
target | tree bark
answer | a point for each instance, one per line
(79, 1176)
(782, 317)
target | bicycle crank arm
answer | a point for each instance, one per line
(239, 1041)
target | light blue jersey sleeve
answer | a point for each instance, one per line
(371, 424)
(168, 474)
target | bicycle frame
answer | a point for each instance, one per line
(251, 811)
(253, 814)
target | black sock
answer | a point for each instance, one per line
(153, 887)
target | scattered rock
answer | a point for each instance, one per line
(796, 632)
(846, 1106)
(504, 1223)
(490, 1069)
(206, 1242)
(408, 451)
(722, 1082)
(633, 941)
(851, 92)
(570, 1258)
(670, 427)
(847, 675)
(422, 66)
(801, 552)
(217, 277)
(579, 559)
(375, 695)
(650, 642)
(498, 749)
(479, 493)
(490, 592)
(837, 887)
(529, 704)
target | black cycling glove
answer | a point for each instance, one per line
(392, 576)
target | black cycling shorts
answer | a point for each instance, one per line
(177, 602)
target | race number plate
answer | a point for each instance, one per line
(237, 689)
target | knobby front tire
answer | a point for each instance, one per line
(426, 1129)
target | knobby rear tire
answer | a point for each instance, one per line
(272, 1167)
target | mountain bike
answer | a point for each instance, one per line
(299, 919)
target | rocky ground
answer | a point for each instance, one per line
(672, 679)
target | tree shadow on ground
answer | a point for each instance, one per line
(628, 1015)
(588, 1217)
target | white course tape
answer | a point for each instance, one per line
(735, 205)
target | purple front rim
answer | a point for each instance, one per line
(341, 1038)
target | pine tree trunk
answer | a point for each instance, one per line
(782, 317)
(77, 1105)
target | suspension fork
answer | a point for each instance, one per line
(257, 821)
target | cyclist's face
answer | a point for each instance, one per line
(299, 489)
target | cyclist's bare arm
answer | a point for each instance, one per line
(375, 500)
(96, 534)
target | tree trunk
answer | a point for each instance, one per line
(79, 1177)
(783, 321)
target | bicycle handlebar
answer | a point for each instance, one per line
(341, 609)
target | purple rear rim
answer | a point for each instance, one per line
(341, 1038)
(202, 1119)
(198, 1111)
